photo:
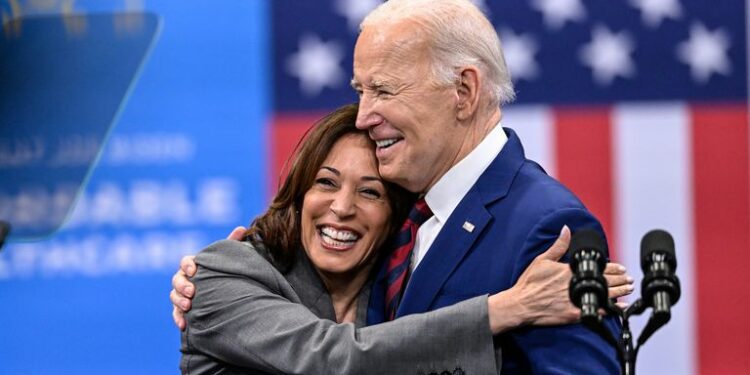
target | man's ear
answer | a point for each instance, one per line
(468, 92)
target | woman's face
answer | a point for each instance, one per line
(345, 213)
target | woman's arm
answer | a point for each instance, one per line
(245, 314)
(511, 305)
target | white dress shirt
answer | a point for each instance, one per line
(448, 192)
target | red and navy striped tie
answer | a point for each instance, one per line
(397, 271)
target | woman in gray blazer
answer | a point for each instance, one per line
(292, 298)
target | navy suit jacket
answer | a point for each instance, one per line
(517, 211)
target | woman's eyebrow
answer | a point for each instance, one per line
(364, 178)
(332, 169)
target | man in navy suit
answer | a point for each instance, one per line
(432, 80)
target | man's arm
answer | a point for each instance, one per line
(567, 349)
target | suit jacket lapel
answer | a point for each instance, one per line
(310, 288)
(454, 241)
(446, 253)
(376, 307)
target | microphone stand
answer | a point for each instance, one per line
(660, 288)
(626, 352)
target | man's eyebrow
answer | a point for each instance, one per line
(379, 83)
(375, 84)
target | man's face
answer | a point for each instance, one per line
(410, 117)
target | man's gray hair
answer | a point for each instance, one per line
(460, 35)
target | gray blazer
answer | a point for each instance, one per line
(247, 317)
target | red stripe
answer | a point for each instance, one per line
(399, 256)
(722, 237)
(286, 131)
(423, 209)
(584, 161)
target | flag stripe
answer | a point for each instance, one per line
(583, 160)
(653, 179)
(722, 236)
(534, 125)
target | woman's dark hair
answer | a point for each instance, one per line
(278, 229)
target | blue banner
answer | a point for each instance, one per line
(185, 162)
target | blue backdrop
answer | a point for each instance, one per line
(184, 163)
(223, 89)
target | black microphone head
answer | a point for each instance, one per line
(661, 241)
(588, 239)
(588, 287)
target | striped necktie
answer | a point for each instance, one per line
(397, 271)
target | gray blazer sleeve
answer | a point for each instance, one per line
(247, 318)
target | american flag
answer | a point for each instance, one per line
(639, 106)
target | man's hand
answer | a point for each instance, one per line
(183, 290)
(540, 297)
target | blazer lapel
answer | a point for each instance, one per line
(309, 287)
(464, 226)
(444, 255)
(376, 307)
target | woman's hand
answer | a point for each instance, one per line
(540, 297)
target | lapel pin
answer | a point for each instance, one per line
(469, 227)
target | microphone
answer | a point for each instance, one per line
(660, 287)
(588, 288)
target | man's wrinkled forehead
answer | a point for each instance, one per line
(393, 38)
(389, 47)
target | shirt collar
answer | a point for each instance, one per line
(450, 189)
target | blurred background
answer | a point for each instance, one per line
(133, 132)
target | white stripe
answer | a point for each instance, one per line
(533, 123)
(653, 189)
